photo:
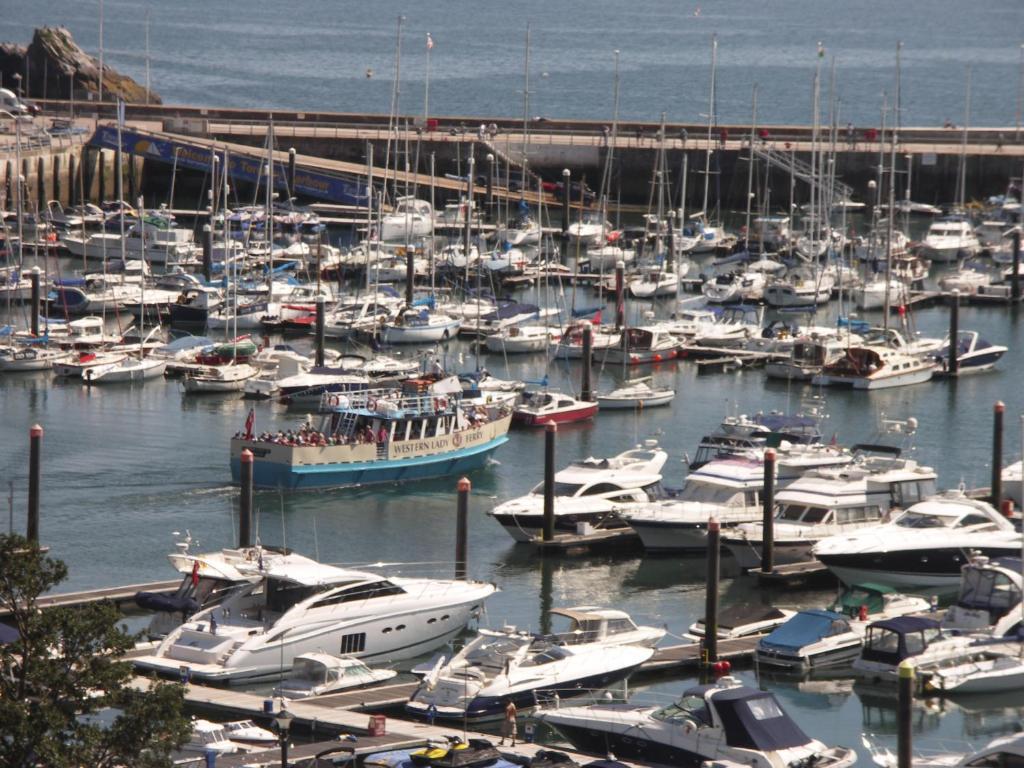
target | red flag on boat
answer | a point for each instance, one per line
(597, 318)
(250, 420)
(195, 573)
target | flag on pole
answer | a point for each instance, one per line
(430, 41)
(250, 420)
(195, 573)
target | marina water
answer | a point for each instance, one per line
(125, 467)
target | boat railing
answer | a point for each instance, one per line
(387, 402)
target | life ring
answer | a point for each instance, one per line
(371, 404)
(334, 401)
(442, 403)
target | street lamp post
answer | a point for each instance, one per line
(284, 722)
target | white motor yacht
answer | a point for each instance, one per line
(219, 378)
(499, 667)
(949, 239)
(874, 368)
(317, 674)
(295, 605)
(830, 501)
(635, 395)
(419, 326)
(799, 288)
(925, 546)
(968, 278)
(587, 492)
(721, 724)
(728, 489)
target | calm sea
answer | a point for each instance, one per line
(125, 468)
(316, 54)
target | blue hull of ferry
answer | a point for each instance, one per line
(280, 476)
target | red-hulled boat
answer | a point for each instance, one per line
(541, 408)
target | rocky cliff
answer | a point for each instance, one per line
(53, 61)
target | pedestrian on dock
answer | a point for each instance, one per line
(508, 725)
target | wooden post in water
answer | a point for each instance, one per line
(586, 389)
(34, 319)
(410, 275)
(35, 447)
(101, 169)
(904, 709)
(462, 527)
(711, 593)
(245, 501)
(72, 180)
(320, 312)
(997, 453)
(1015, 277)
(41, 184)
(953, 366)
(56, 179)
(549, 481)
(768, 519)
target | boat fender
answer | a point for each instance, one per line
(862, 613)
(689, 726)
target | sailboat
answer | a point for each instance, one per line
(130, 369)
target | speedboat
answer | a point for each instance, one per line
(1002, 751)
(949, 239)
(728, 489)
(822, 638)
(219, 378)
(914, 639)
(635, 395)
(970, 277)
(317, 674)
(973, 354)
(587, 492)
(924, 546)
(247, 732)
(209, 737)
(993, 669)
(295, 605)
(830, 501)
(874, 368)
(590, 229)
(499, 667)
(538, 409)
(723, 724)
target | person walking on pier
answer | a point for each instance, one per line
(508, 724)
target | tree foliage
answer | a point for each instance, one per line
(66, 693)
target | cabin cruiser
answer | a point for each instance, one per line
(831, 501)
(292, 605)
(968, 279)
(923, 546)
(874, 368)
(410, 219)
(916, 639)
(872, 294)
(416, 325)
(808, 356)
(211, 738)
(503, 666)
(590, 229)
(635, 394)
(570, 345)
(657, 282)
(319, 673)
(642, 345)
(728, 489)
(521, 338)
(816, 638)
(949, 239)
(799, 288)
(588, 491)
(735, 287)
(725, 723)
(705, 327)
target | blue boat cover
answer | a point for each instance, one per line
(801, 630)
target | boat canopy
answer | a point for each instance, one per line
(892, 640)
(805, 628)
(753, 719)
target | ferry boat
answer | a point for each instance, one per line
(378, 436)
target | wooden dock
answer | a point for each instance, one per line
(795, 574)
(117, 595)
(601, 538)
(687, 656)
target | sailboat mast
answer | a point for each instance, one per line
(101, 57)
(393, 114)
(711, 122)
(962, 171)
(526, 109)
(269, 215)
(888, 249)
(750, 168)
(147, 56)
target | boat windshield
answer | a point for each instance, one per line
(687, 708)
(911, 519)
(561, 489)
(307, 669)
(988, 589)
(710, 493)
(800, 513)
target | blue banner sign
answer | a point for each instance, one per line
(248, 167)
